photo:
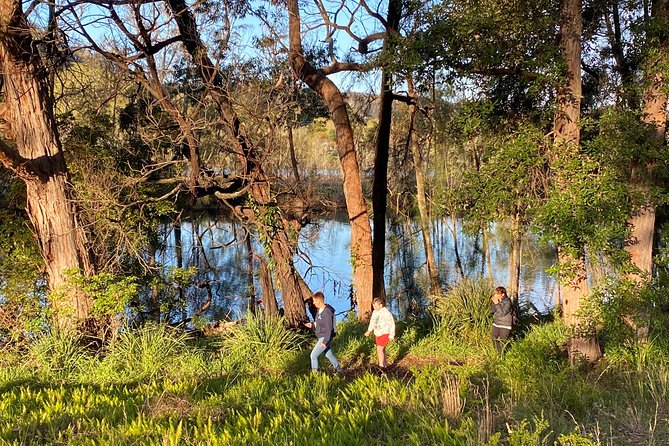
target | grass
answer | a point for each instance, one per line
(156, 387)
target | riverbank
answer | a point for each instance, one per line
(253, 386)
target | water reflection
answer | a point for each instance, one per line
(226, 282)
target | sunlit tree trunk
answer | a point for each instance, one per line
(361, 233)
(566, 130)
(34, 153)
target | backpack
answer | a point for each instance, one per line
(334, 323)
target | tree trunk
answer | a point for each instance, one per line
(268, 295)
(250, 285)
(361, 233)
(38, 160)
(573, 278)
(153, 304)
(486, 250)
(515, 259)
(433, 272)
(566, 130)
(642, 224)
(381, 155)
(293, 158)
(640, 245)
(454, 232)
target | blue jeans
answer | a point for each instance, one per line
(318, 350)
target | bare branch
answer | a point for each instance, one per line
(338, 67)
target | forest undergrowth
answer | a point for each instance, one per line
(253, 386)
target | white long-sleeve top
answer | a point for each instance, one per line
(382, 322)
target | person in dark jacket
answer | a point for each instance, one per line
(324, 325)
(502, 310)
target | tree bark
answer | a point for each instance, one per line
(38, 161)
(566, 130)
(654, 114)
(361, 233)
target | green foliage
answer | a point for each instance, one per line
(469, 36)
(260, 342)
(512, 179)
(588, 209)
(153, 388)
(620, 307)
(621, 142)
(529, 434)
(110, 293)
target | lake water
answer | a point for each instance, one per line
(216, 248)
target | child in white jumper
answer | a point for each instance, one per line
(382, 324)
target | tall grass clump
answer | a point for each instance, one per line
(260, 342)
(147, 352)
(465, 310)
(58, 353)
(461, 321)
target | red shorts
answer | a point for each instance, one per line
(382, 340)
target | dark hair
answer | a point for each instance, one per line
(501, 290)
(378, 300)
(318, 295)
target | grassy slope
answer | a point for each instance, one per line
(156, 387)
